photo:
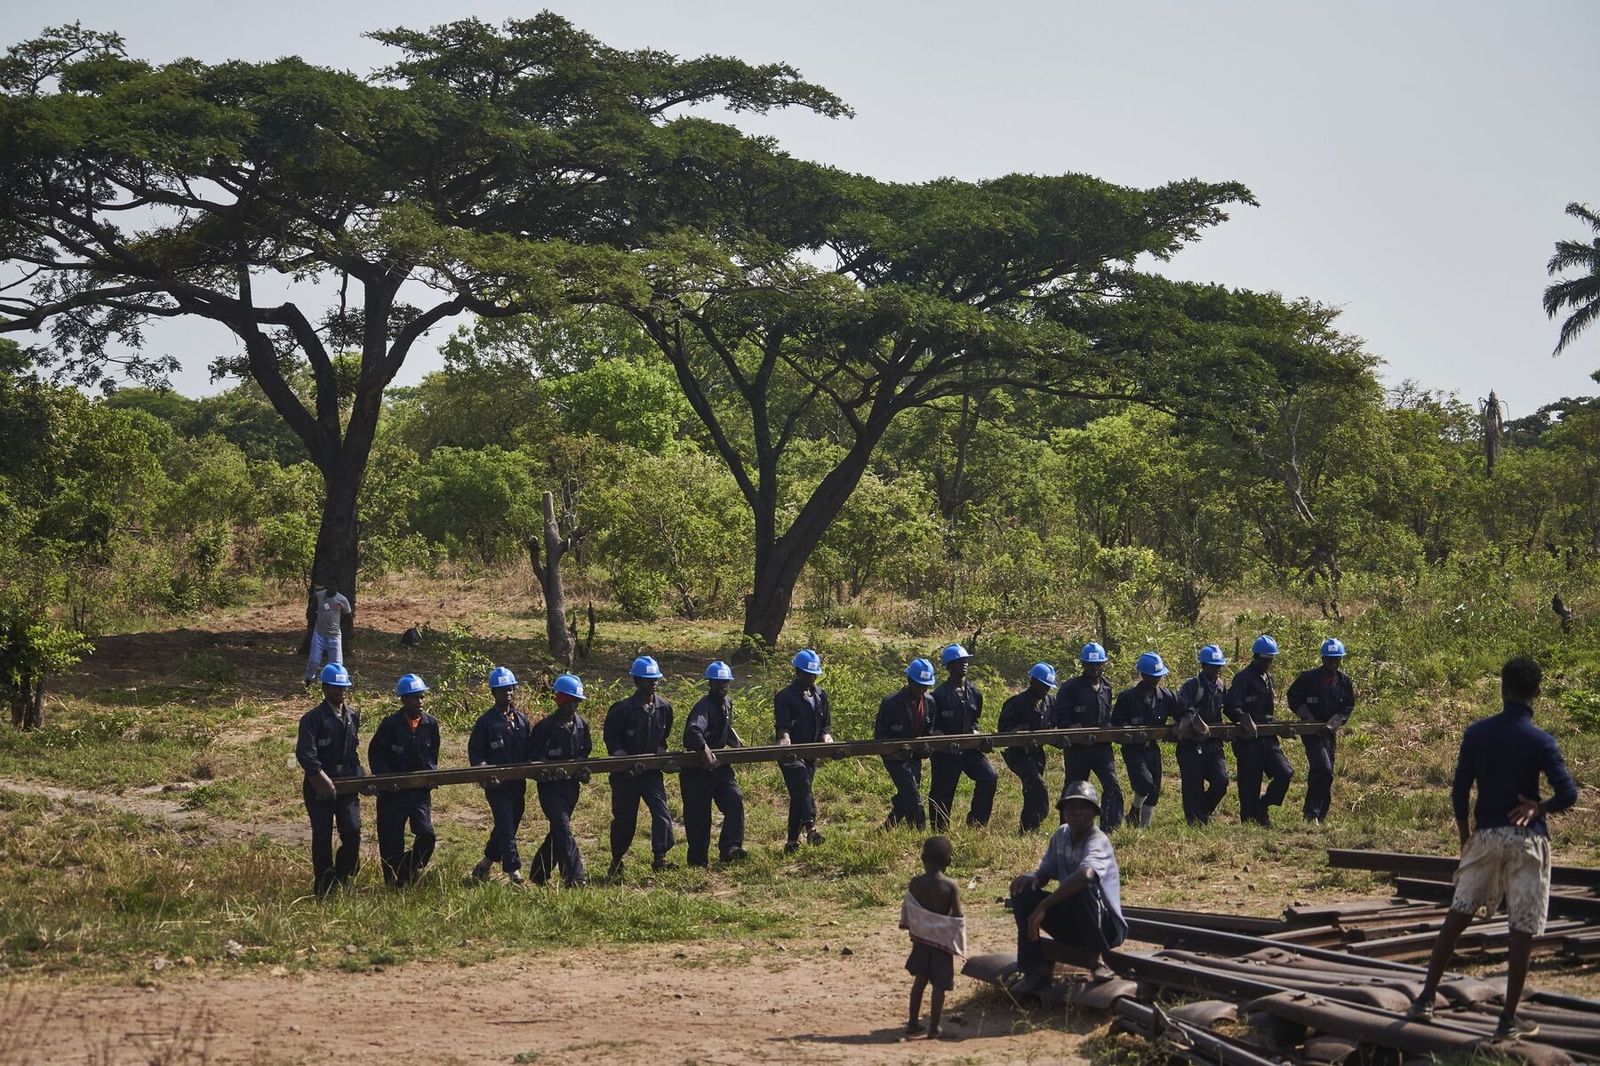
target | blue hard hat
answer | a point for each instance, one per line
(1211, 655)
(952, 653)
(569, 685)
(1150, 665)
(1333, 648)
(807, 661)
(1043, 673)
(717, 670)
(646, 668)
(1264, 645)
(410, 685)
(920, 671)
(1092, 653)
(501, 677)
(336, 675)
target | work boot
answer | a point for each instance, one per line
(515, 877)
(1033, 982)
(480, 872)
(614, 874)
(1146, 813)
(791, 846)
(323, 886)
(813, 837)
(660, 863)
(734, 855)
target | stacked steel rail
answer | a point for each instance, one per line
(1328, 983)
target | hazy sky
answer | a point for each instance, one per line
(1412, 160)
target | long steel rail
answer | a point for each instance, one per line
(566, 769)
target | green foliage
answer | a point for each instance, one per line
(480, 504)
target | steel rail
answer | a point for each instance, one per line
(566, 769)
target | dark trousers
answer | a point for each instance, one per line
(1073, 922)
(1319, 773)
(343, 812)
(507, 801)
(558, 800)
(1261, 758)
(1144, 771)
(626, 793)
(395, 811)
(1029, 768)
(906, 806)
(1203, 772)
(701, 788)
(1084, 759)
(802, 804)
(946, 771)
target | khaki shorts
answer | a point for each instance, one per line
(1510, 864)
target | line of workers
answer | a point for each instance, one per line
(407, 741)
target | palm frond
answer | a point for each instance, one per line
(1577, 210)
(1570, 254)
(1572, 293)
(1576, 324)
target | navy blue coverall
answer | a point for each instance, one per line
(957, 709)
(327, 742)
(710, 725)
(638, 726)
(1251, 696)
(805, 718)
(556, 738)
(1139, 708)
(1025, 712)
(501, 738)
(903, 716)
(1317, 695)
(397, 748)
(1085, 704)
(1202, 767)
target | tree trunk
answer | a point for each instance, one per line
(779, 561)
(337, 554)
(34, 716)
(557, 634)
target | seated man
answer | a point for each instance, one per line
(1084, 915)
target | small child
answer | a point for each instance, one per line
(931, 912)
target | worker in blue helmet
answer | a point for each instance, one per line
(502, 736)
(957, 711)
(1251, 700)
(708, 729)
(801, 715)
(1027, 712)
(405, 742)
(327, 750)
(1326, 695)
(1202, 766)
(561, 736)
(639, 725)
(1085, 703)
(1149, 704)
(904, 715)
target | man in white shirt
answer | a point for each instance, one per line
(1084, 913)
(327, 634)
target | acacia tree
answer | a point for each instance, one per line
(833, 304)
(311, 211)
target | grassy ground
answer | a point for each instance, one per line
(93, 890)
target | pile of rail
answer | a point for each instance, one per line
(1331, 983)
(842, 749)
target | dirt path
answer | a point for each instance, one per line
(703, 1003)
(157, 805)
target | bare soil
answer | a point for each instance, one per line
(700, 1003)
